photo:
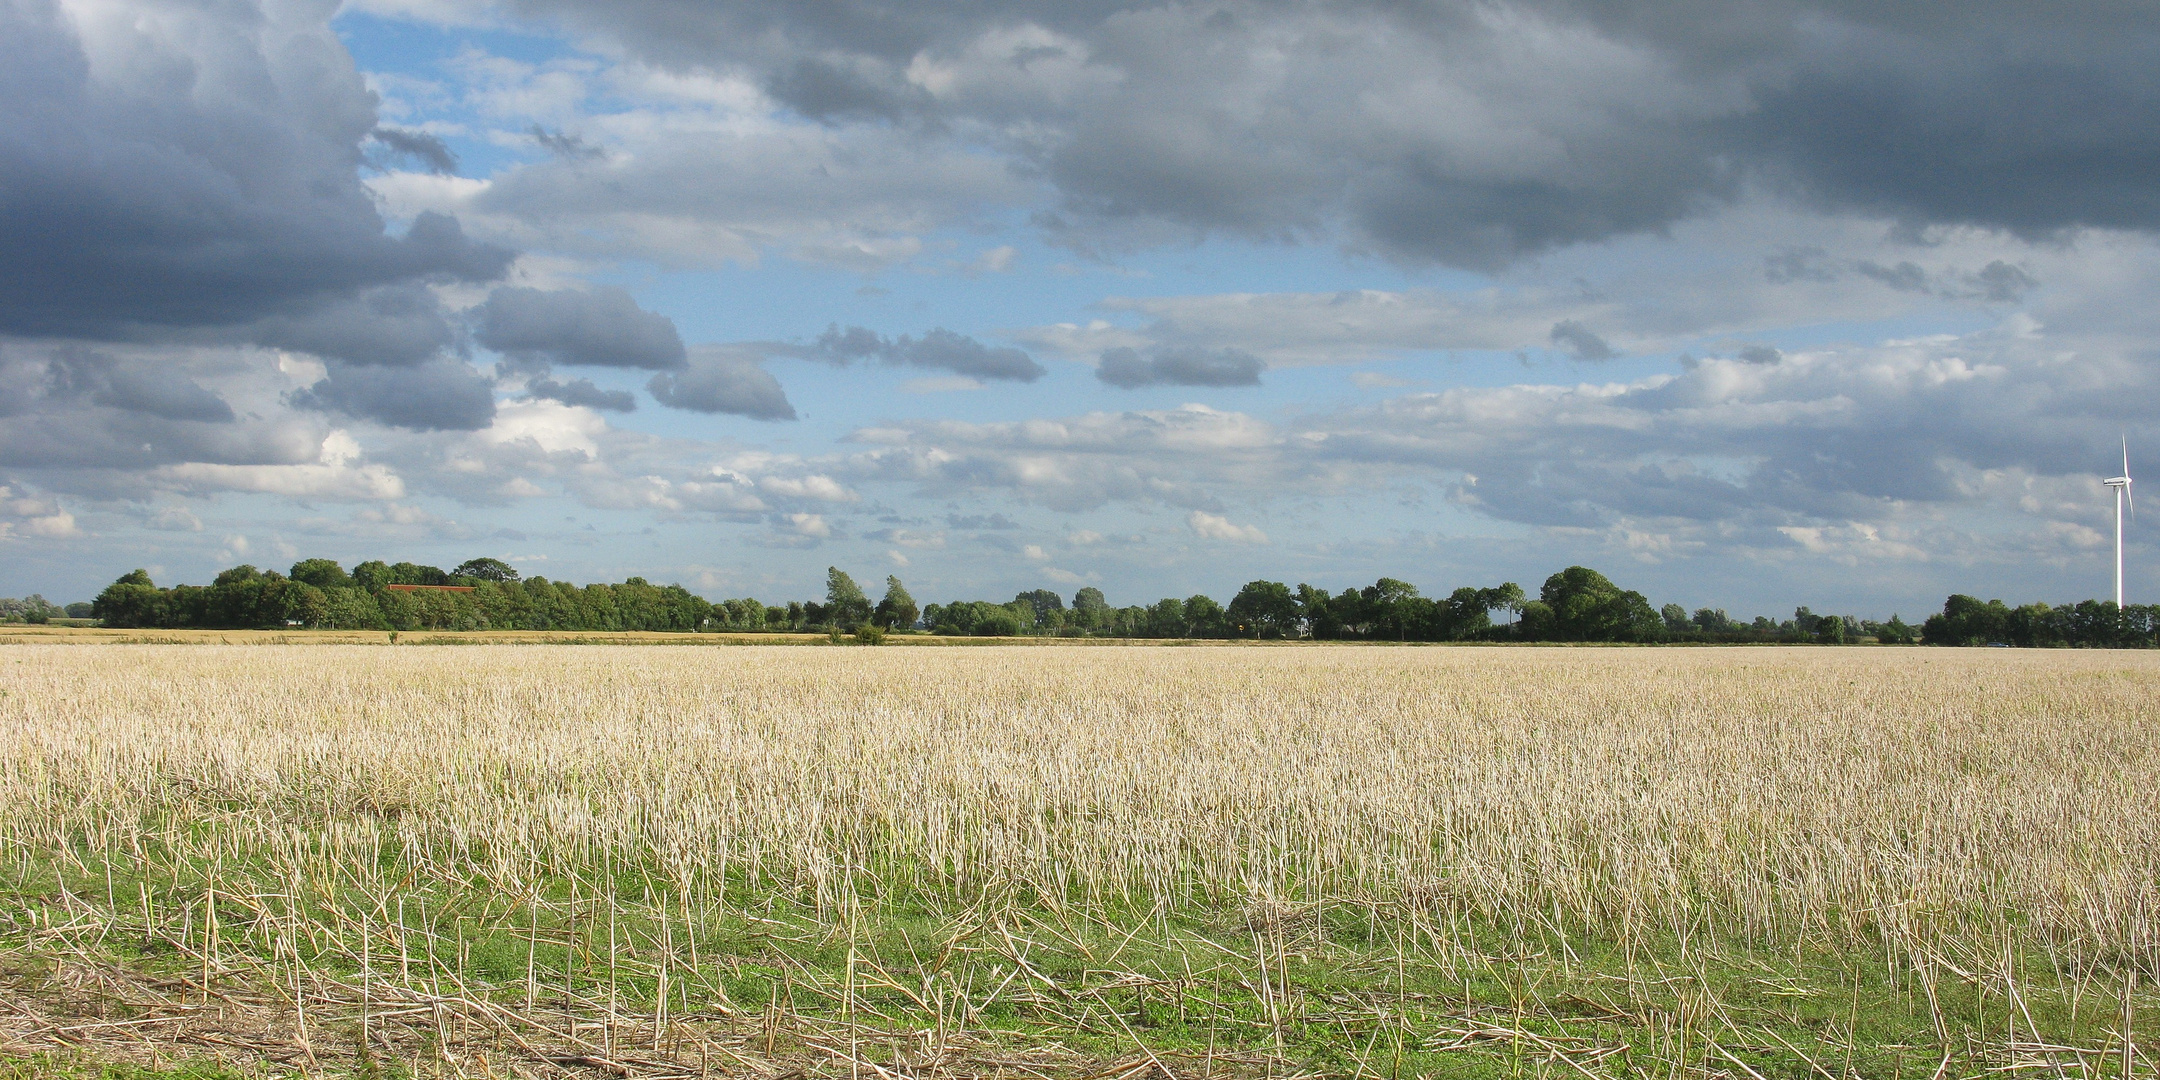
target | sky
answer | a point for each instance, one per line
(1748, 305)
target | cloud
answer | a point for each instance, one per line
(23, 514)
(565, 146)
(2001, 283)
(398, 325)
(981, 521)
(1215, 527)
(601, 327)
(420, 146)
(941, 384)
(1377, 380)
(335, 474)
(132, 211)
(582, 392)
(940, 348)
(444, 395)
(174, 519)
(134, 387)
(1906, 437)
(548, 426)
(995, 260)
(720, 380)
(1579, 342)
(1073, 463)
(1125, 367)
(1468, 134)
(699, 183)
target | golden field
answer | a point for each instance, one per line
(1947, 824)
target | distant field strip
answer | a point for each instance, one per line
(1903, 803)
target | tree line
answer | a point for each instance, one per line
(1575, 604)
(35, 609)
(2091, 624)
(319, 593)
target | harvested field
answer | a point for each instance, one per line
(553, 860)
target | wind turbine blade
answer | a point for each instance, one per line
(2126, 455)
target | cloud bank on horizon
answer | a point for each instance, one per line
(1748, 305)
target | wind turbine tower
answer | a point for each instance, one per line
(2121, 484)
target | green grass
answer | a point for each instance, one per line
(1338, 988)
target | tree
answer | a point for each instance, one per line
(1966, 620)
(1584, 605)
(1316, 611)
(897, 611)
(1465, 614)
(406, 573)
(1676, 619)
(845, 605)
(1506, 596)
(1204, 618)
(1090, 609)
(1349, 612)
(322, 573)
(236, 575)
(372, 575)
(1263, 609)
(1043, 602)
(1388, 608)
(351, 609)
(485, 569)
(1166, 619)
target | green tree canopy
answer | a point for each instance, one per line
(1043, 601)
(321, 573)
(1204, 618)
(1585, 605)
(236, 575)
(1090, 609)
(845, 605)
(1263, 609)
(485, 569)
(897, 611)
(1388, 607)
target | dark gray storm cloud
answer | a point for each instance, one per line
(566, 146)
(940, 349)
(603, 327)
(1579, 342)
(71, 412)
(582, 392)
(1125, 367)
(723, 380)
(441, 395)
(390, 324)
(133, 386)
(430, 152)
(174, 188)
(1473, 133)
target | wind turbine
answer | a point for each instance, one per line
(2121, 484)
